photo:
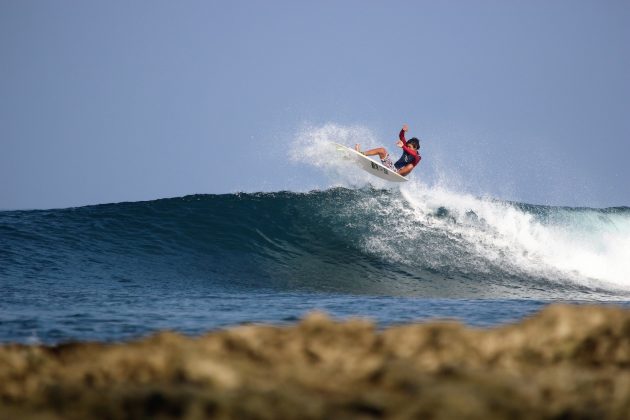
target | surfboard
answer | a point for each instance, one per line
(369, 165)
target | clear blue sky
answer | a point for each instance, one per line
(116, 100)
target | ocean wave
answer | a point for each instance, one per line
(416, 241)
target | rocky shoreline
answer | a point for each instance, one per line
(568, 361)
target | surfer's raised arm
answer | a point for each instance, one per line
(402, 141)
(405, 127)
(401, 135)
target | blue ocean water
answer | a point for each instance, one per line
(202, 262)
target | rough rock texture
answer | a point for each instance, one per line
(565, 362)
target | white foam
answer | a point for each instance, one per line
(586, 247)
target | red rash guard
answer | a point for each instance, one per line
(409, 150)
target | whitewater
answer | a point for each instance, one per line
(584, 246)
(357, 247)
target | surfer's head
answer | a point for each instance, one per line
(414, 142)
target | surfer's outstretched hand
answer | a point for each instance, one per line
(405, 127)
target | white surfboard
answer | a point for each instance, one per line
(369, 165)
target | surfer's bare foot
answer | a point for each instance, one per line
(357, 148)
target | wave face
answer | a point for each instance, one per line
(410, 242)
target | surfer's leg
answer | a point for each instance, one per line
(404, 171)
(387, 162)
(380, 151)
(382, 154)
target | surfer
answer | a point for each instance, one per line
(409, 159)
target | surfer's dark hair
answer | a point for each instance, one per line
(414, 142)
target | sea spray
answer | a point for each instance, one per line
(585, 246)
(314, 146)
(588, 247)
